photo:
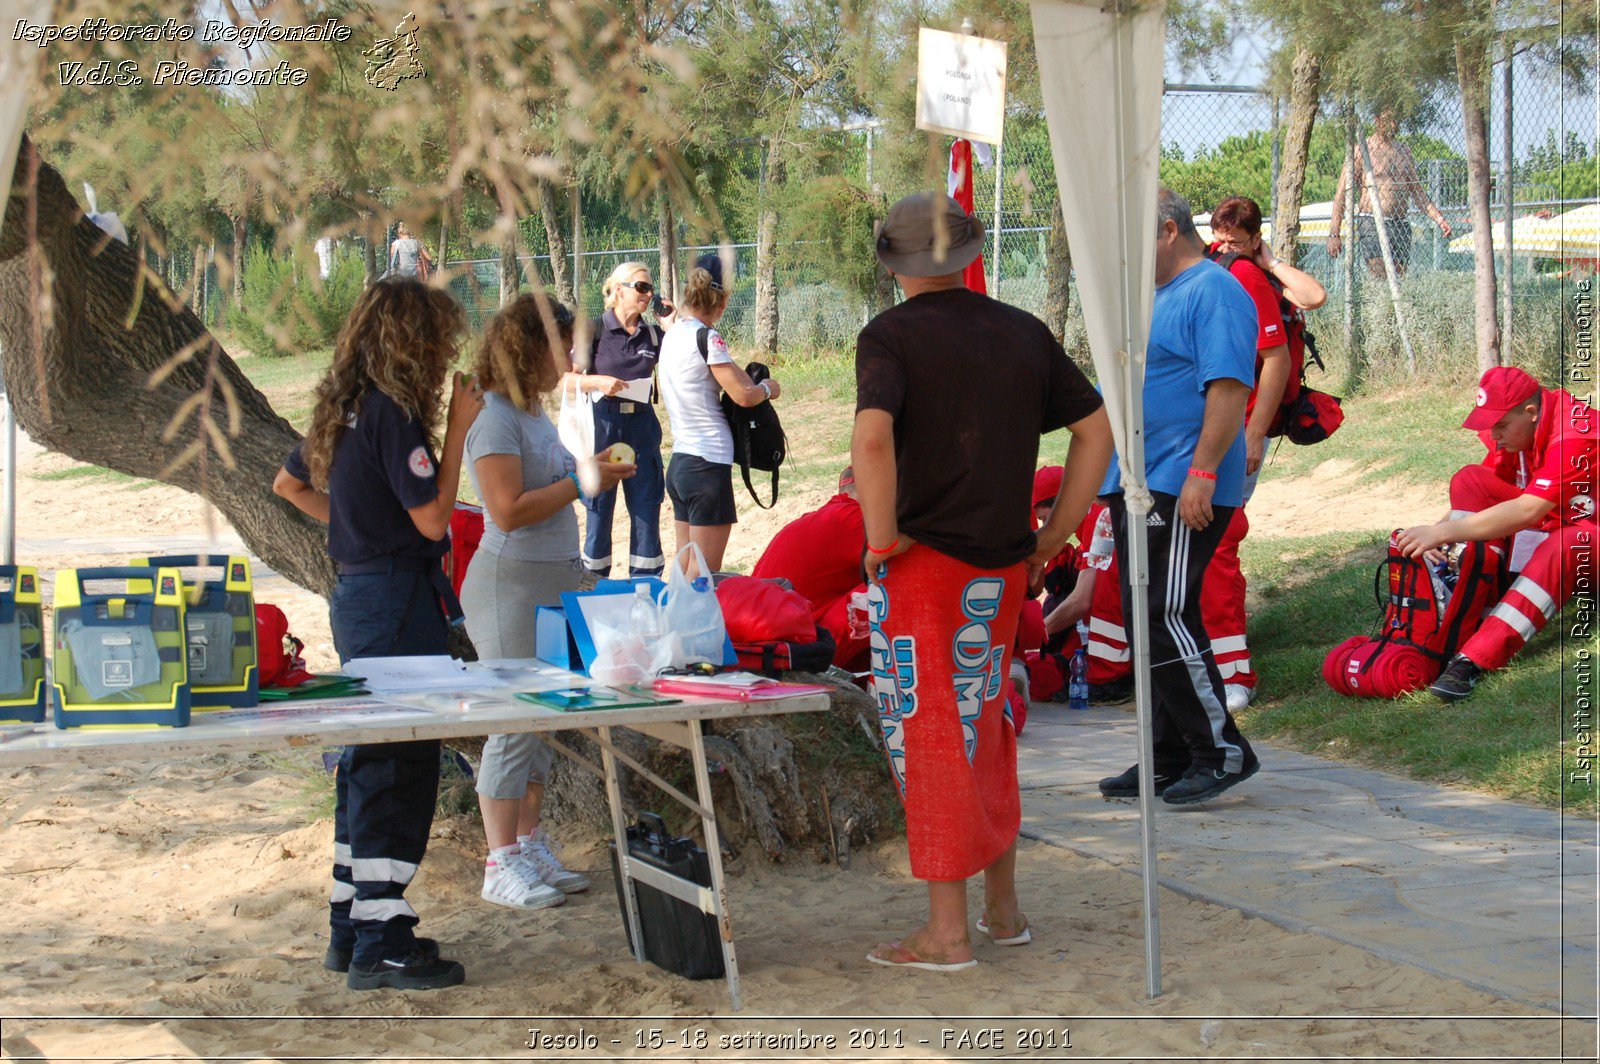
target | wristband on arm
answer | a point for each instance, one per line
(884, 550)
(579, 487)
(1203, 474)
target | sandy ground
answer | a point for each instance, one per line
(177, 909)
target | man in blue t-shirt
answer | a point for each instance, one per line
(1199, 370)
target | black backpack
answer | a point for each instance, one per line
(758, 439)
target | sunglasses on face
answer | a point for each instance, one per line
(644, 288)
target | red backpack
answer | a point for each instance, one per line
(466, 532)
(278, 650)
(1305, 415)
(1418, 634)
(771, 627)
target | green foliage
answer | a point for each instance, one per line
(1561, 171)
(287, 308)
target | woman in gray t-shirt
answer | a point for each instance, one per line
(528, 556)
(407, 256)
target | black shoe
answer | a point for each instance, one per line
(1203, 784)
(1457, 680)
(1110, 694)
(338, 960)
(1126, 784)
(414, 971)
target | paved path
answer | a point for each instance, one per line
(1494, 893)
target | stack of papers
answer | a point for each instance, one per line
(741, 686)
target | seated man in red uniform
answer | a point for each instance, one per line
(1080, 585)
(819, 554)
(1534, 490)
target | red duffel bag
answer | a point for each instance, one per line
(759, 611)
(1375, 667)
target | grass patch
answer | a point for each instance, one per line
(92, 472)
(1411, 434)
(1510, 738)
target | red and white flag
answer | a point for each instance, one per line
(958, 182)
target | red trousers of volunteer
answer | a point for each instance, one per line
(1222, 606)
(1547, 581)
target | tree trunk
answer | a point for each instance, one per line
(1058, 276)
(1303, 92)
(766, 338)
(370, 239)
(510, 282)
(102, 405)
(560, 270)
(1472, 65)
(667, 245)
(238, 260)
(883, 283)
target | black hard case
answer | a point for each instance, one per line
(677, 936)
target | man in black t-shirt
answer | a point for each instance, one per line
(953, 390)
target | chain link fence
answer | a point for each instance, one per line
(1217, 140)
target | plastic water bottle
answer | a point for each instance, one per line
(1078, 672)
(644, 617)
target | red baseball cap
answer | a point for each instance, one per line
(1047, 484)
(1501, 389)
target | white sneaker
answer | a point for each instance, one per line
(538, 850)
(513, 882)
(1239, 696)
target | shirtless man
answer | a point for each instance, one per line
(1394, 172)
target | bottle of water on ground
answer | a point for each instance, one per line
(1078, 672)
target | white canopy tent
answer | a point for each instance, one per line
(16, 74)
(1101, 74)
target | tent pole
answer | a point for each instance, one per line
(1138, 538)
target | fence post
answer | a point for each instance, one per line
(1352, 309)
(1509, 171)
(999, 218)
(1276, 163)
(577, 245)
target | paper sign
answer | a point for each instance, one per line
(961, 85)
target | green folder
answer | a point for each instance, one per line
(582, 699)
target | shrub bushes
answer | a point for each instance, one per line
(288, 308)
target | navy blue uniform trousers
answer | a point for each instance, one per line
(643, 491)
(385, 792)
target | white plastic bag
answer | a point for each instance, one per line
(691, 616)
(630, 645)
(575, 426)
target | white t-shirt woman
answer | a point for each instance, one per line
(700, 475)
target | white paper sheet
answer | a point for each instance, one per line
(430, 672)
(636, 391)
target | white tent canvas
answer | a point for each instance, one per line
(1101, 75)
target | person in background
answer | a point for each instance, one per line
(1534, 490)
(527, 558)
(819, 553)
(407, 256)
(1280, 350)
(1198, 374)
(370, 469)
(944, 454)
(625, 347)
(695, 370)
(1397, 186)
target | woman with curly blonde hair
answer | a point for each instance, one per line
(368, 469)
(528, 557)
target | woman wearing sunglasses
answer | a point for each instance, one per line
(624, 347)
